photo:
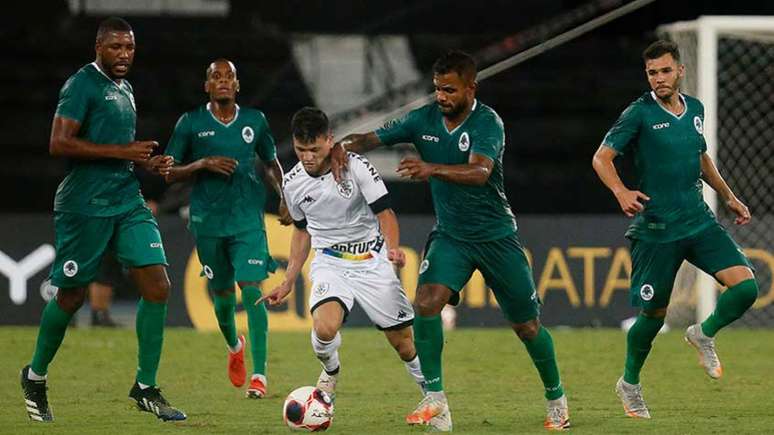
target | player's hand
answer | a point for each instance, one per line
(284, 214)
(160, 164)
(414, 169)
(397, 257)
(741, 211)
(140, 150)
(339, 161)
(220, 165)
(629, 200)
(277, 295)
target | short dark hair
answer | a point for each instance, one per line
(308, 124)
(112, 24)
(660, 48)
(456, 61)
(220, 59)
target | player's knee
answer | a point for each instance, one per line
(429, 302)
(527, 331)
(70, 300)
(325, 331)
(157, 290)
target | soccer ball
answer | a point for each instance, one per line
(308, 409)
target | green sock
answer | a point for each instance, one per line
(224, 311)
(541, 350)
(53, 325)
(732, 304)
(428, 339)
(258, 327)
(150, 336)
(638, 344)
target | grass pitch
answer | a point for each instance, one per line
(491, 384)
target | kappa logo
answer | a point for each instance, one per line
(430, 138)
(660, 126)
(208, 272)
(307, 198)
(698, 125)
(208, 133)
(402, 314)
(248, 134)
(423, 267)
(464, 143)
(646, 292)
(321, 288)
(345, 188)
(70, 268)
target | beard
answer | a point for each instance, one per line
(453, 111)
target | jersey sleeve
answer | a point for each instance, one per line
(398, 130)
(368, 179)
(490, 140)
(264, 144)
(625, 129)
(295, 211)
(74, 99)
(179, 145)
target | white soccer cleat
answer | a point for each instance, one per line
(705, 347)
(433, 411)
(631, 398)
(327, 383)
(557, 415)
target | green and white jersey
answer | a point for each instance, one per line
(106, 112)
(221, 205)
(667, 155)
(464, 212)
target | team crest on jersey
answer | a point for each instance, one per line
(345, 188)
(423, 267)
(70, 268)
(697, 124)
(646, 292)
(248, 134)
(464, 143)
(208, 272)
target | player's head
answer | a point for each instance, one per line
(221, 84)
(312, 139)
(663, 68)
(454, 78)
(115, 47)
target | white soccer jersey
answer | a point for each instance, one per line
(337, 215)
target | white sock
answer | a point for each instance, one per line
(440, 395)
(143, 386)
(236, 348)
(34, 376)
(261, 377)
(415, 370)
(327, 351)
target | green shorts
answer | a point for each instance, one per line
(240, 258)
(82, 240)
(502, 262)
(655, 265)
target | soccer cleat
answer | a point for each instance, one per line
(236, 365)
(557, 416)
(35, 398)
(327, 382)
(631, 398)
(433, 410)
(705, 347)
(151, 400)
(256, 390)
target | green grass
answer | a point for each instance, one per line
(491, 384)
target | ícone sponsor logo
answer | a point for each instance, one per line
(660, 126)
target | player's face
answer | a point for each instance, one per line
(115, 52)
(453, 94)
(664, 75)
(222, 83)
(314, 156)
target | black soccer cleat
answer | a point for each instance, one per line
(35, 398)
(151, 400)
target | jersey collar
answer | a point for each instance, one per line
(472, 109)
(236, 115)
(682, 98)
(121, 87)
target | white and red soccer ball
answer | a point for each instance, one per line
(308, 409)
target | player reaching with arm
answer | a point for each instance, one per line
(663, 129)
(217, 144)
(355, 233)
(461, 143)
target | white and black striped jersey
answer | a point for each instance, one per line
(337, 215)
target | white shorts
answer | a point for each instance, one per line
(372, 283)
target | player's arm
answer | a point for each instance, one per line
(64, 142)
(356, 143)
(217, 164)
(274, 173)
(300, 245)
(629, 200)
(476, 172)
(711, 175)
(388, 224)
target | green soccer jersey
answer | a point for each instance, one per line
(464, 212)
(220, 205)
(106, 112)
(667, 155)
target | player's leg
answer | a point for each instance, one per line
(138, 246)
(80, 243)
(252, 264)
(716, 253)
(654, 267)
(327, 318)
(402, 340)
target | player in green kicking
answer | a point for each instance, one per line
(217, 143)
(461, 142)
(98, 207)
(664, 131)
